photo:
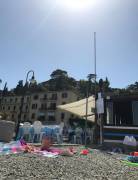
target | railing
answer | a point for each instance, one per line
(118, 133)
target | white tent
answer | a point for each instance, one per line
(79, 108)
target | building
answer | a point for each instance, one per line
(40, 105)
(122, 110)
(121, 117)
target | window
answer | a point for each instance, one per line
(5, 100)
(44, 106)
(41, 118)
(16, 99)
(36, 97)
(12, 116)
(51, 113)
(52, 106)
(33, 115)
(54, 97)
(11, 100)
(51, 118)
(28, 98)
(62, 115)
(45, 96)
(8, 107)
(34, 106)
(3, 107)
(24, 117)
(14, 108)
(26, 107)
(64, 95)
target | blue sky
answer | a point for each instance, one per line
(44, 35)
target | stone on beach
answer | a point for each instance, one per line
(96, 165)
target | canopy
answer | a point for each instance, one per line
(79, 108)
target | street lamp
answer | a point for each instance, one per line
(32, 81)
(2, 92)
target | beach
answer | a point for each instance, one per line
(96, 165)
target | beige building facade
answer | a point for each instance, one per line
(39, 106)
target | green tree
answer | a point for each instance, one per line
(60, 81)
(106, 85)
(58, 73)
(133, 87)
(82, 88)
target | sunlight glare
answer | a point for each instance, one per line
(77, 4)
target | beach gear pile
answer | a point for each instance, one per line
(13, 147)
(46, 149)
(132, 159)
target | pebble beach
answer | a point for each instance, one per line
(96, 165)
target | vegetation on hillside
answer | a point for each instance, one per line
(60, 80)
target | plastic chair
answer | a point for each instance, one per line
(78, 136)
(57, 135)
(89, 133)
(26, 131)
(37, 126)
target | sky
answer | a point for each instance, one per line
(45, 35)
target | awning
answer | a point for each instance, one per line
(79, 108)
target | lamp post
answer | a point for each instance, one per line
(2, 93)
(32, 81)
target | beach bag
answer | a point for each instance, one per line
(130, 141)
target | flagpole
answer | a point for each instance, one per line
(95, 72)
(95, 63)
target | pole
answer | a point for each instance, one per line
(101, 133)
(28, 75)
(0, 96)
(22, 102)
(95, 64)
(20, 115)
(95, 72)
(101, 129)
(86, 119)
